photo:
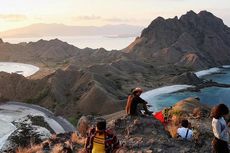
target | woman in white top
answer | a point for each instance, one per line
(220, 129)
(184, 132)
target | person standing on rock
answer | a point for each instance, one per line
(220, 129)
(101, 140)
(133, 101)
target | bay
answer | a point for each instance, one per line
(210, 96)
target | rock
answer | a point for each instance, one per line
(187, 41)
(27, 132)
(148, 151)
(187, 78)
(159, 150)
(1, 41)
(146, 134)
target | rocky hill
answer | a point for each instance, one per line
(73, 81)
(70, 79)
(197, 40)
(143, 134)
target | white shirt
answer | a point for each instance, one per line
(182, 132)
(220, 129)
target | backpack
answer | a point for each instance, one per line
(128, 104)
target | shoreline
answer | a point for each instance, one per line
(60, 120)
(57, 123)
(19, 68)
(176, 88)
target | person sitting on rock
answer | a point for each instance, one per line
(100, 139)
(220, 129)
(184, 132)
(134, 100)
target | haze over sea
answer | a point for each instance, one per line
(107, 42)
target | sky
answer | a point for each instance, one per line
(20, 13)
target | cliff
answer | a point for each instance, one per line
(196, 40)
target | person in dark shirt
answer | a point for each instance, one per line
(134, 101)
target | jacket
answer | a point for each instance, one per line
(111, 141)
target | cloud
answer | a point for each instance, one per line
(120, 19)
(100, 18)
(91, 17)
(12, 17)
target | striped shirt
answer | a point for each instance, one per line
(99, 143)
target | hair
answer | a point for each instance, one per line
(219, 111)
(197, 98)
(184, 123)
(131, 91)
(101, 124)
(135, 92)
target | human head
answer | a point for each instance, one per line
(137, 91)
(101, 124)
(184, 123)
(197, 98)
(220, 111)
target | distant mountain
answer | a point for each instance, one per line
(42, 30)
(197, 40)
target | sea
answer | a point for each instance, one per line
(211, 96)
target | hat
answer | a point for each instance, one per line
(137, 90)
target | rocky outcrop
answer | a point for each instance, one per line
(1, 41)
(187, 78)
(29, 130)
(196, 40)
(146, 134)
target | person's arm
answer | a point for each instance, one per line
(87, 146)
(116, 143)
(140, 100)
(216, 127)
(224, 132)
(191, 134)
(178, 133)
(113, 139)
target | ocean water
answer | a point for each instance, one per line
(19, 68)
(210, 96)
(94, 42)
(13, 112)
(221, 78)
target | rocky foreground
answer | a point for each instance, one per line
(143, 134)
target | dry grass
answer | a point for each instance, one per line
(32, 149)
(57, 149)
(173, 125)
(77, 139)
